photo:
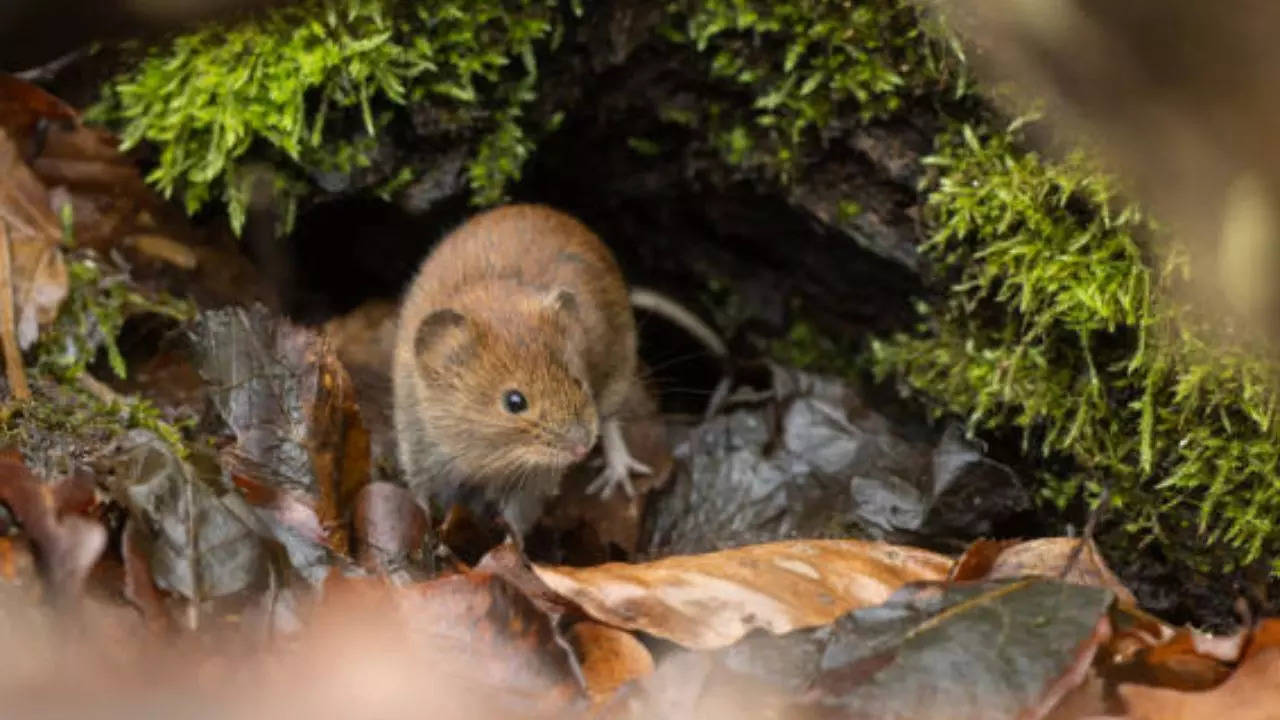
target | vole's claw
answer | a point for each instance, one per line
(618, 476)
(618, 464)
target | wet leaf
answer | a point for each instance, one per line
(66, 544)
(200, 548)
(966, 651)
(39, 273)
(81, 167)
(1251, 693)
(512, 649)
(389, 526)
(1079, 559)
(610, 658)
(712, 600)
(288, 401)
(140, 588)
(815, 461)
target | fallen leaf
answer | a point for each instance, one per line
(814, 461)
(81, 166)
(1043, 557)
(1265, 635)
(962, 651)
(287, 399)
(512, 650)
(712, 600)
(139, 586)
(1252, 692)
(610, 658)
(389, 526)
(38, 271)
(67, 545)
(200, 548)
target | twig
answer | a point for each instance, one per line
(98, 389)
(1086, 536)
(164, 249)
(50, 70)
(13, 369)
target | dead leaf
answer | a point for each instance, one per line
(39, 273)
(512, 650)
(139, 586)
(1251, 693)
(816, 460)
(712, 600)
(1044, 557)
(610, 658)
(200, 548)
(286, 397)
(1265, 635)
(1011, 650)
(67, 545)
(389, 526)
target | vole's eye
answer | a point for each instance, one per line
(514, 402)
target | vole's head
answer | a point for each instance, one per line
(506, 394)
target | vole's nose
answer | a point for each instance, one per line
(579, 440)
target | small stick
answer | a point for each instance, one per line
(13, 369)
(1090, 526)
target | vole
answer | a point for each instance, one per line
(515, 349)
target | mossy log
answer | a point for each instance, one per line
(761, 156)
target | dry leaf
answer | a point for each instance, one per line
(389, 526)
(39, 274)
(1044, 557)
(286, 397)
(610, 658)
(1251, 693)
(68, 544)
(712, 600)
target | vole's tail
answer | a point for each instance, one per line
(659, 304)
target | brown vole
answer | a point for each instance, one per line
(515, 349)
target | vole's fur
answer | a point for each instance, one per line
(526, 298)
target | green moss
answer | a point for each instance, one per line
(64, 413)
(303, 87)
(799, 70)
(1055, 324)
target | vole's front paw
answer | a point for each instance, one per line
(616, 476)
(618, 463)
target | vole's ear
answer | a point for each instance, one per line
(561, 301)
(441, 336)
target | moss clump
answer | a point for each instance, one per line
(798, 72)
(305, 87)
(66, 418)
(1055, 324)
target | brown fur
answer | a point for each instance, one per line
(519, 297)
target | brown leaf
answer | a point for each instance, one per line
(938, 651)
(39, 274)
(1251, 693)
(67, 545)
(389, 526)
(1265, 635)
(511, 648)
(140, 587)
(1044, 557)
(712, 600)
(281, 390)
(610, 658)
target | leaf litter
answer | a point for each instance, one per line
(255, 563)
